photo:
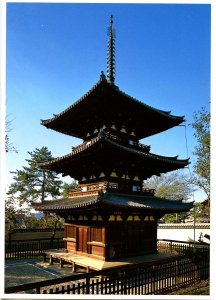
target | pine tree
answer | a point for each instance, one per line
(32, 183)
(68, 187)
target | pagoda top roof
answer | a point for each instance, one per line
(106, 103)
(114, 200)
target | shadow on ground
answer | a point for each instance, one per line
(24, 271)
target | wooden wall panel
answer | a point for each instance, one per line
(97, 234)
(113, 239)
(70, 231)
(71, 247)
(99, 251)
(131, 238)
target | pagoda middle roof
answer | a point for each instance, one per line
(115, 201)
(104, 144)
(106, 103)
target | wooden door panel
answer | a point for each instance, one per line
(85, 240)
(82, 239)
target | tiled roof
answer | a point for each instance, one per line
(172, 159)
(145, 202)
(67, 203)
(83, 98)
(124, 201)
(135, 150)
(97, 90)
(116, 89)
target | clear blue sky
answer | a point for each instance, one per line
(56, 52)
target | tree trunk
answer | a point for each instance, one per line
(43, 188)
(54, 231)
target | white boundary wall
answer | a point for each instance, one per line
(183, 232)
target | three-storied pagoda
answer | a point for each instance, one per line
(110, 215)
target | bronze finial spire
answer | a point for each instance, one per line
(111, 53)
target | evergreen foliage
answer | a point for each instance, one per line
(67, 187)
(32, 183)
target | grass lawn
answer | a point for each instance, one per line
(199, 288)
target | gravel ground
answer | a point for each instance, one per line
(32, 270)
(24, 271)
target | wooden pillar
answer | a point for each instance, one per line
(51, 260)
(73, 267)
(104, 241)
(61, 262)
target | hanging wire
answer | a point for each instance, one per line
(190, 173)
(187, 153)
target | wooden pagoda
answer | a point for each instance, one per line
(109, 215)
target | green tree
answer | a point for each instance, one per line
(10, 215)
(201, 125)
(33, 183)
(22, 217)
(14, 216)
(67, 187)
(8, 145)
(201, 212)
(174, 186)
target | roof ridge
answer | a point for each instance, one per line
(56, 116)
(166, 113)
(102, 136)
(82, 148)
(116, 88)
(148, 153)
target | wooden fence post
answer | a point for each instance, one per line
(152, 278)
(125, 284)
(171, 247)
(177, 272)
(87, 290)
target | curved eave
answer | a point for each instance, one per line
(68, 203)
(83, 98)
(51, 123)
(146, 203)
(102, 139)
(57, 122)
(150, 155)
(115, 201)
(162, 112)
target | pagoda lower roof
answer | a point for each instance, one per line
(114, 201)
(102, 146)
(105, 103)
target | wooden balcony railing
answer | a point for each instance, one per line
(92, 189)
(123, 141)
